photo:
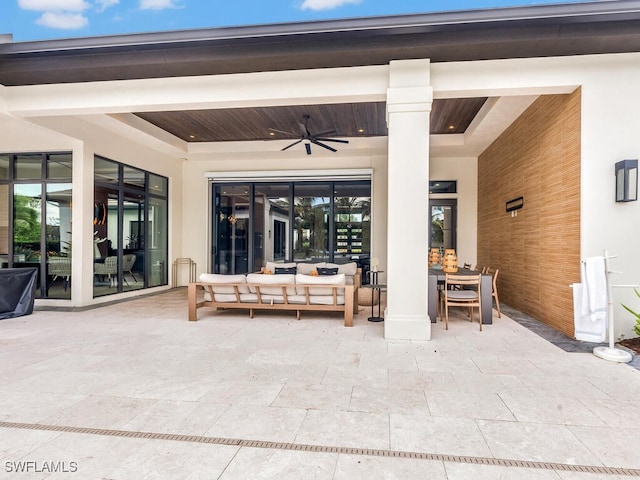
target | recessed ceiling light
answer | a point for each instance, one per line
(272, 134)
(361, 130)
(451, 127)
(192, 136)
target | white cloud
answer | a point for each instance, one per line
(65, 21)
(54, 5)
(158, 4)
(104, 4)
(325, 4)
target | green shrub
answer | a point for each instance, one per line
(635, 314)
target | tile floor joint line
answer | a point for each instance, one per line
(328, 449)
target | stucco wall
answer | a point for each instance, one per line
(465, 172)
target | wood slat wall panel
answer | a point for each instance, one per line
(538, 251)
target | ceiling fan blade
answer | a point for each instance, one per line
(304, 130)
(282, 131)
(332, 140)
(328, 132)
(323, 145)
(291, 145)
(308, 147)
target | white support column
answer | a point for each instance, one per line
(82, 233)
(409, 101)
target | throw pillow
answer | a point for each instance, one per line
(285, 270)
(327, 271)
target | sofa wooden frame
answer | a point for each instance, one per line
(349, 307)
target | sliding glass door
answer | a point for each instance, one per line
(258, 222)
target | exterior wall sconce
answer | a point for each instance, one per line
(627, 181)
(514, 205)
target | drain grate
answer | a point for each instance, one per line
(326, 449)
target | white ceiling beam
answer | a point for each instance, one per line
(323, 86)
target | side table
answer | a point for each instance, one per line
(374, 287)
(372, 276)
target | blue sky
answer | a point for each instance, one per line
(47, 19)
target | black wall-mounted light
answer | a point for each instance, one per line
(514, 204)
(627, 181)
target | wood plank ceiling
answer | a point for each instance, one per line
(448, 116)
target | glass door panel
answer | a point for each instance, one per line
(442, 233)
(4, 225)
(312, 204)
(157, 241)
(134, 236)
(58, 237)
(352, 207)
(27, 226)
(231, 229)
(105, 242)
(271, 213)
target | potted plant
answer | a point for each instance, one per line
(633, 343)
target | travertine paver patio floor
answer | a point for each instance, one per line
(134, 391)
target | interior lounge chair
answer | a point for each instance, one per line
(60, 267)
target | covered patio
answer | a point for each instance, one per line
(136, 391)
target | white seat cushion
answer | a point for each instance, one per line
(462, 294)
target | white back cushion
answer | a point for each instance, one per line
(337, 279)
(285, 279)
(220, 278)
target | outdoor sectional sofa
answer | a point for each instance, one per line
(297, 291)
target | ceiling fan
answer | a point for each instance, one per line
(307, 138)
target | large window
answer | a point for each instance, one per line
(130, 228)
(35, 218)
(255, 222)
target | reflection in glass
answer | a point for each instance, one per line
(352, 216)
(28, 166)
(231, 223)
(157, 234)
(4, 226)
(134, 242)
(131, 228)
(59, 166)
(27, 225)
(443, 226)
(133, 178)
(58, 237)
(4, 167)
(311, 222)
(272, 208)
(158, 185)
(105, 171)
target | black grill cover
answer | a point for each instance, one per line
(17, 291)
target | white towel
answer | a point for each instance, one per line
(594, 297)
(586, 330)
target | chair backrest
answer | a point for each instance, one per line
(461, 280)
(127, 261)
(59, 266)
(494, 274)
(111, 265)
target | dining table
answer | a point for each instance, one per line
(437, 276)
